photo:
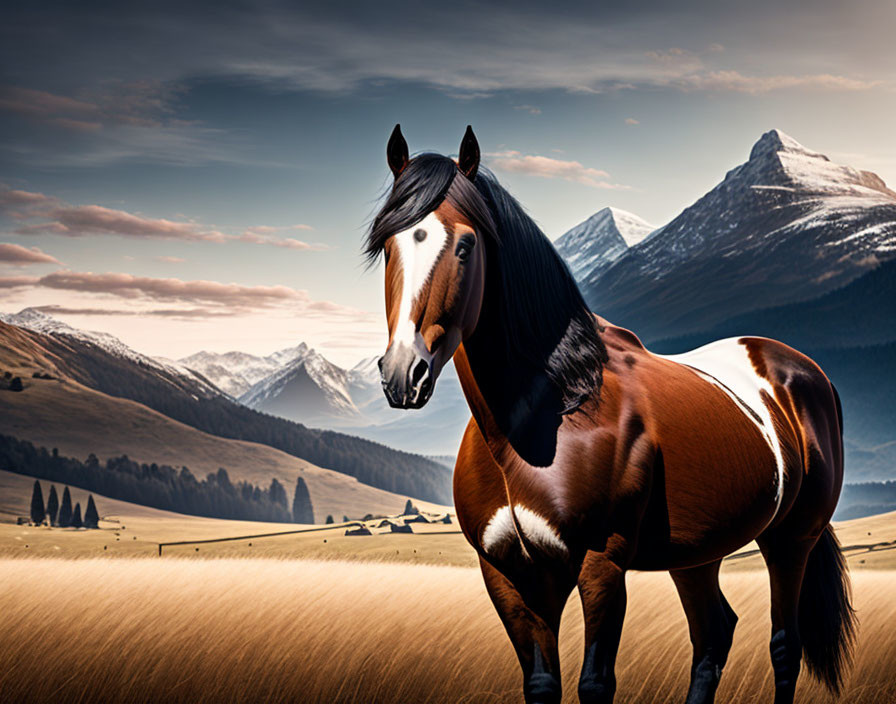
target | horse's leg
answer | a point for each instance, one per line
(711, 622)
(531, 616)
(786, 561)
(602, 589)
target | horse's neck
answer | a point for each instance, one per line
(511, 400)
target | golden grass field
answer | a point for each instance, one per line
(98, 616)
(236, 630)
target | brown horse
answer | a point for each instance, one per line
(587, 455)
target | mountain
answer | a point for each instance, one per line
(185, 398)
(235, 372)
(600, 240)
(787, 225)
(308, 389)
(172, 372)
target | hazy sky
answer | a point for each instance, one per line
(202, 178)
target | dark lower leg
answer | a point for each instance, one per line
(711, 622)
(532, 625)
(602, 589)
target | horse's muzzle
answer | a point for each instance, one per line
(407, 376)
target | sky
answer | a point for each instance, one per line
(202, 178)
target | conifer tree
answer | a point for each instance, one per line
(91, 517)
(38, 512)
(65, 510)
(410, 509)
(329, 518)
(52, 505)
(76, 517)
(301, 504)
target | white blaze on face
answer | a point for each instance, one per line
(726, 364)
(418, 259)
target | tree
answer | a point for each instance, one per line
(91, 517)
(16, 384)
(38, 512)
(76, 517)
(410, 509)
(302, 511)
(65, 510)
(278, 493)
(52, 505)
(329, 518)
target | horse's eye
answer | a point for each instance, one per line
(419, 234)
(464, 247)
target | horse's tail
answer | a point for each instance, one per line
(827, 620)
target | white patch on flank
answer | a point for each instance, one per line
(726, 364)
(500, 533)
(417, 262)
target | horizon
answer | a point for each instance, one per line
(190, 181)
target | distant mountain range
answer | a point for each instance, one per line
(105, 364)
(299, 384)
(785, 226)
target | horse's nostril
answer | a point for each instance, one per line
(419, 372)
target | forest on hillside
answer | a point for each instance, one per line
(158, 486)
(369, 462)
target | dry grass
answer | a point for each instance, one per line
(249, 630)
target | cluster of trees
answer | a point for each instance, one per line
(62, 515)
(181, 399)
(8, 382)
(159, 486)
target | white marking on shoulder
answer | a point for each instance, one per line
(418, 258)
(500, 534)
(726, 364)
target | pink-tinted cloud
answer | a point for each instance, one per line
(170, 260)
(173, 290)
(23, 256)
(548, 167)
(18, 281)
(84, 220)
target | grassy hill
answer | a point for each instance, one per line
(69, 359)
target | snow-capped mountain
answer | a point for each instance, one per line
(38, 321)
(601, 239)
(308, 389)
(786, 225)
(235, 372)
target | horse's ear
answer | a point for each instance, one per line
(468, 158)
(397, 152)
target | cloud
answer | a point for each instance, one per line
(736, 82)
(173, 290)
(141, 103)
(548, 167)
(86, 220)
(23, 256)
(170, 260)
(181, 298)
(17, 281)
(531, 109)
(632, 121)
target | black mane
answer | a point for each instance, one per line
(533, 315)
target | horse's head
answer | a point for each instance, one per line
(431, 231)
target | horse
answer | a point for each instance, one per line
(587, 455)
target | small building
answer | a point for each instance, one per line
(401, 529)
(360, 530)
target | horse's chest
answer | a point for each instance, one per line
(518, 529)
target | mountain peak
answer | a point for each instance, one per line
(775, 141)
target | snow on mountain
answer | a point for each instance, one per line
(236, 372)
(786, 225)
(38, 321)
(601, 239)
(308, 389)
